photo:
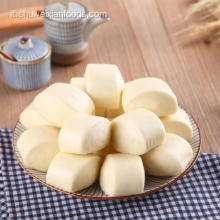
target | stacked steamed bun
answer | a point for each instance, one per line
(98, 127)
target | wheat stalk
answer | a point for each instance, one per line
(204, 30)
(208, 16)
(202, 7)
(216, 12)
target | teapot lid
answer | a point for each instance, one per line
(26, 48)
(65, 11)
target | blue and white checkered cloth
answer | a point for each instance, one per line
(196, 196)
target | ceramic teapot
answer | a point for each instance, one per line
(68, 26)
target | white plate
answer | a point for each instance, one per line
(152, 184)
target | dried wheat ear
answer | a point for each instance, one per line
(207, 25)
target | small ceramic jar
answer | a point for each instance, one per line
(31, 67)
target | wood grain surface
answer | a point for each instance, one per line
(141, 39)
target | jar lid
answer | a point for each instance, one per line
(65, 11)
(26, 48)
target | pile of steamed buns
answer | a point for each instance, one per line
(98, 127)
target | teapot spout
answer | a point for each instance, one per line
(93, 22)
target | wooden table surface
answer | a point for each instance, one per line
(141, 39)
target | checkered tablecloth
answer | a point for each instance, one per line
(196, 196)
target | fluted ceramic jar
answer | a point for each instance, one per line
(67, 27)
(31, 64)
